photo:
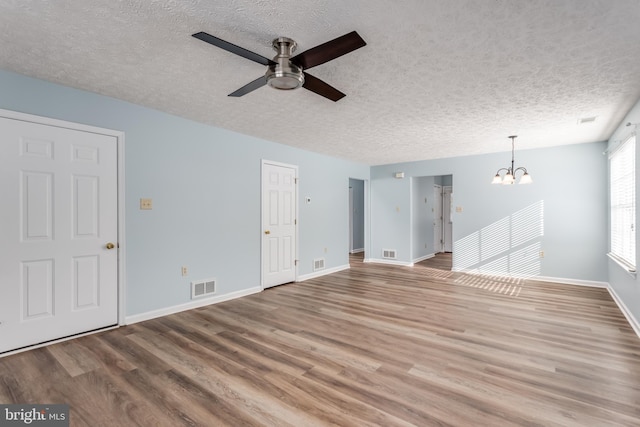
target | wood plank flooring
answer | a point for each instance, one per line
(376, 345)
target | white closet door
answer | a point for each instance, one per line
(58, 223)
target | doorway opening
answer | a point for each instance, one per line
(432, 219)
(356, 219)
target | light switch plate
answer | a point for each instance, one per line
(146, 204)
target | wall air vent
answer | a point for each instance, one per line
(318, 264)
(202, 288)
(389, 253)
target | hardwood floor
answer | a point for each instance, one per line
(442, 261)
(376, 345)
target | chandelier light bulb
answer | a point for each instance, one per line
(526, 179)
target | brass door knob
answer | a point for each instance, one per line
(110, 245)
(267, 232)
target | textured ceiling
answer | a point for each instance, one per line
(436, 79)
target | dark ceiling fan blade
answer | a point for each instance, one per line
(316, 85)
(250, 87)
(329, 50)
(230, 47)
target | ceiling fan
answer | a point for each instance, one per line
(286, 72)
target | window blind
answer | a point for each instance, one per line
(622, 170)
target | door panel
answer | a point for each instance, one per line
(86, 282)
(287, 253)
(85, 201)
(59, 188)
(37, 213)
(279, 224)
(37, 289)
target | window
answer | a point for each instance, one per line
(622, 172)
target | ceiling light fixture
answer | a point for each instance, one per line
(283, 74)
(510, 176)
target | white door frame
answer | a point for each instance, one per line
(365, 217)
(367, 221)
(296, 207)
(350, 220)
(121, 187)
(447, 223)
(438, 244)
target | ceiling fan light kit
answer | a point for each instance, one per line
(286, 72)
(283, 74)
(510, 175)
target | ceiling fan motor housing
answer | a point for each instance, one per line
(283, 74)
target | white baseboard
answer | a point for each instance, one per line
(623, 308)
(422, 258)
(189, 305)
(635, 325)
(389, 261)
(356, 251)
(559, 280)
(320, 273)
(590, 283)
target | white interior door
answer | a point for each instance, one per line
(437, 218)
(58, 219)
(447, 219)
(279, 208)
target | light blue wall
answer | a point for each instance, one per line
(626, 286)
(205, 186)
(390, 215)
(502, 229)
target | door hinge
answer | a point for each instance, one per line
(295, 180)
(295, 222)
(295, 262)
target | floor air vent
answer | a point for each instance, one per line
(318, 264)
(389, 253)
(203, 288)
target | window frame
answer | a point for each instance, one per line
(622, 204)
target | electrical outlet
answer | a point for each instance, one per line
(326, 250)
(146, 204)
(185, 270)
(541, 254)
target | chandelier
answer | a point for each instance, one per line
(510, 176)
